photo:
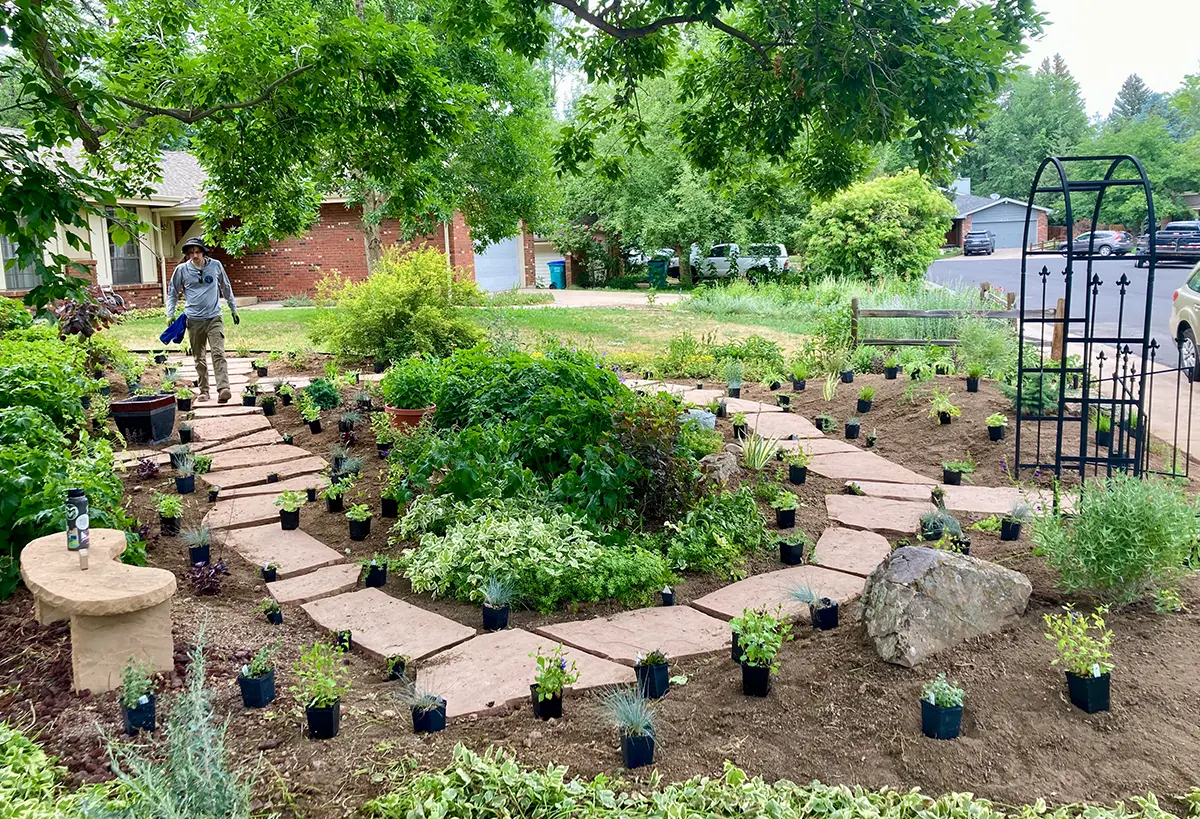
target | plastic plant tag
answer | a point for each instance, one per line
(932, 698)
(142, 700)
(1095, 669)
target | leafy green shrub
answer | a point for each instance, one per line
(698, 441)
(988, 343)
(411, 384)
(1128, 538)
(39, 370)
(13, 315)
(406, 307)
(29, 780)
(323, 393)
(715, 535)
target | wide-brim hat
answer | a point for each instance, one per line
(195, 243)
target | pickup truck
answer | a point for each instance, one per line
(756, 260)
(1176, 242)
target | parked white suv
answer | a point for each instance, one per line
(754, 261)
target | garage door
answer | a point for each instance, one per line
(1007, 222)
(499, 267)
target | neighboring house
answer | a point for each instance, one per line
(139, 269)
(1005, 218)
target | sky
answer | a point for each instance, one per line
(1104, 41)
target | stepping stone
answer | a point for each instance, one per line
(921, 493)
(672, 389)
(383, 626)
(250, 475)
(264, 438)
(851, 551)
(295, 551)
(257, 456)
(702, 397)
(864, 466)
(876, 514)
(270, 385)
(986, 500)
(775, 588)
(298, 484)
(680, 632)
(238, 513)
(224, 429)
(820, 446)
(735, 405)
(492, 672)
(783, 425)
(130, 457)
(329, 581)
(638, 383)
(224, 410)
(372, 377)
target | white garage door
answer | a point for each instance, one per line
(543, 254)
(499, 267)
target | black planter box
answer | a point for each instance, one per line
(890, 373)
(324, 723)
(637, 752)
(972, 385)
(184, 404)
(289, 520)
(249, 400)
(654, 681)
(668, 598)
(275, 618)
(1089, 694)
(756, 680)
(269, 575)
(359, 529)
(199, 555)
(1010, 530)
(826, 617)
(140, 717)
(431, 721)
(863, 407)
(268, 409)
(951, 477)
(847, 376)
(185, 436)
(739, 432)
(545, 709)
(996, 433)
(257, 692)
(376, 577)
(390, 507)
(797, 474)
(735, 392)
(791, 553)
(185, 484)
(334, 504)
(315, 427)
(940, 722)
(785, 518)
(170, 526)
(799, 385)
(852, 431)
(943, 418)
(495, 618)
(145, 418)
(1104, 438)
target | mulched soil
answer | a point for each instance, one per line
(836, 712)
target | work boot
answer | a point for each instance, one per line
(223, 396)
(204, 398)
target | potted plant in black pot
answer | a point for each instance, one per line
(941, 709)
(270, 572)
(374, 571)
(1103, 422)
(497, 598)
(785, 504)
(739, 426)
(286, 393)
(160, 358)
(185, 475)
(784, 401)
(256, 680)
(178, 453)
(792, 546)
(392, 492)
(937, 523)
(362, 400)
(822, 611)
(320, 685)
(359, 516)
(380, 366)
(348, 420)
(759, 638)
(996, 423)
(185, 434)
(289, 503)
(250, 396)
(554, 674)
(137, 697)
(310, 412)
(974, 373)
(343, 641)
(866, 396)
(853, 428)
(846, 373)
(954, 471)
(268, 405)
(1084, 656)
(941, 408)
(797, 461)
(198, 541)
(335, 494)
(427, 707)
(170, 512)
(653, 675)
(872, 437)
(1010, 524)
(400, 667)
(183, 399)
(826, 422)
(800, 371)
(891, 367)
(634, 718)
(260, 367)
(668, 596)
(734, 372)
(214, 492)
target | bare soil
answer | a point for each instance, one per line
(836, 712)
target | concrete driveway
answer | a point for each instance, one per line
(605, 298)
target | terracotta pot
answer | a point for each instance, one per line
(405, 418)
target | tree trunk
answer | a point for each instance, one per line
(372, 228)
(685, 266)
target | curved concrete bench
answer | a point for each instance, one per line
(116, 611)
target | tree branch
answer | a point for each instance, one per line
(194, 115)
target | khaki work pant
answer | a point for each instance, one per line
(210, 333)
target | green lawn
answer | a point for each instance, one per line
(260, 330)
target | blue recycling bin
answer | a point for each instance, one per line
(558, 275)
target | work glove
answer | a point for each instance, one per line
(237, 319)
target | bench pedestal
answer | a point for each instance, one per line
(101, 646)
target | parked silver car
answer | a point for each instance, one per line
(1105, 243)
(755, 261)
(1185, 322)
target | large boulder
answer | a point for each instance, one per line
(920, 601)
(719, 467)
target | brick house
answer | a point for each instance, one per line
(140, 269)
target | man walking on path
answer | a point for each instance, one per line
(203, 282)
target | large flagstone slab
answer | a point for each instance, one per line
(492, 673)
(256, 456)
(130, 457)
(735, 405)
(294, 551)
(819, 446)
(224, 410)
(864, 466)
(918, 492)
(263, 438)
(702, 397)
(297, 484)
(850, 550)
(270, 385)
(895, 517)
(783, 425)
(320, 584)
(225, 429)
(238, 513)
(775, 589)
(679, 632)
(250, 475)
(384, 626)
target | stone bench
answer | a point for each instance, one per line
(116, 611)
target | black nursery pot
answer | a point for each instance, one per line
(185, 484)
(396, 672)
(735, 651)
(735, 392)
(783, 400)
(637, 752)
(791, 553)
(343, 640)
(383, 450)
(972, 385)
(1104, 438)
(826, 617)
(249, 400)
(1010, 530)
(852, 431)
(213, 492)
(390, 507)
(315, 427)
(545, 709)
(261, 372)
(775, 385)
(324, 723)
(289, 520)
(431, 721)
(495, 618)
(798, 385)
(940, 722)
(185, 436)
(272, 477)
(257, 692)
(160, 358)
(199, 554)
(334, 504)
(345, 426)
(140, 717)
(170, 526)
(269, 575)
(311, 493)
(1089, 694)
(359, 529)
(797, 474)
(184, 404)
(275, 618)
(654, 681)
(286, 399)
(943, 418)
(268, 409)
(668, 598)
(785, 518)
(756, 680)
(85, 401)
(996, 433)
(847, 376)
(951, 477)
(380, 366)
(739, 432)
(376, 576)
(863, 406)
(890, 373)
(106, 389)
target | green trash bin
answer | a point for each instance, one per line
(558, 275)
(658, 273)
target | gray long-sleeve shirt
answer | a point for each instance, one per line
(202, 289)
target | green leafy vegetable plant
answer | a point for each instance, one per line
(760, 636)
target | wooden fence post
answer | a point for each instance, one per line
(1058, 344)
(854, 322)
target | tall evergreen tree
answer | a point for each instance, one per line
(1134, 98)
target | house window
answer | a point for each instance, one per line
(126, 259)
(15, 278)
